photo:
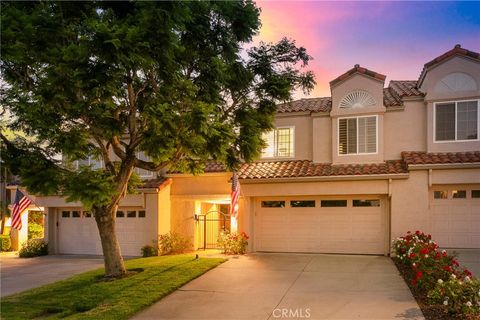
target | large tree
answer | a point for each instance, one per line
(170, 79)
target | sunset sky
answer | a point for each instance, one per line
(392, 38)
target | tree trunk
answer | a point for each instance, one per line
(105, 218)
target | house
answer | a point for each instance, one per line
(341, 174)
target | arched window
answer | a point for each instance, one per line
(358, 99)
(457, 81)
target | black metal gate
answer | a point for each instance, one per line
(210, 226)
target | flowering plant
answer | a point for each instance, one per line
(233, 243)
(459, 295)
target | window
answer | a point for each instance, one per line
(87, 214)
(456, 121)
(91, 161)
(65, 214)
(475, 193)
(142, 172)
(333, 203)
(440, 194)
(459, 194)
(280, 143)
(273, 204)
(141, 214)
(357, 135)
(366, 203)
(75, 214)
(131, 214)
(120, 214)
(302, 203)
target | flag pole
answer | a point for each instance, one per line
(29, 197)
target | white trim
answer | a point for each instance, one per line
(357, 153)
(275, 147)
(434, 120)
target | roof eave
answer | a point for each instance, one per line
(326, 178)
(470, 165)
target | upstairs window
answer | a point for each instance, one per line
(142, 172)
(280, 143)
(92, 162)
(357, 135)
(456, 121)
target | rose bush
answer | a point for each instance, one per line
(233, 243)
(437, 273)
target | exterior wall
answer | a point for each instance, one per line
(375, 88)
(322, 137)
(405, 130)
(208, 184)
(130, 200)
(303, 135)
(433, 94)
(164, 211)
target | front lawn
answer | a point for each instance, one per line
(86, 297)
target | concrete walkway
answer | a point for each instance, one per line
(292, 286)
(22, 274)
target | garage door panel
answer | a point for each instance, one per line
(320, 229)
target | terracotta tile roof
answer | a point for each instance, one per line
(456, 51)
(306, 168)
(414, 158)
(311, 104)
(360, 70)
(157, 183)
(391, 98)
(405, 88)
(214, 166)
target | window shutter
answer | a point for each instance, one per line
(352, 135)
(371, 135)
(342, 136)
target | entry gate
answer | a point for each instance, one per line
(210, 226)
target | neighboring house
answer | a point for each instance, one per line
(341, 174)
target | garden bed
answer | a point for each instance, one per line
(430, 311)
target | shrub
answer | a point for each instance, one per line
(149, 251)
(33, 248)
(458, 295)
(35, 231)
(233, 243)
(5, 242)
(172, 242)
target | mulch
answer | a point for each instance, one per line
(430, 311)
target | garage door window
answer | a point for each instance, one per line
(302, 203)
(273, 204)
(87, 214)
(120, 214)
(475, 193)
(65, 214)
(440, 194)
(141, 214)
(459, 194)
(366, 203)
(75, 214)
(333, 203)
(131, 214)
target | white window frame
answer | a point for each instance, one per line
(275, 148)
(91, 162)
(150, 174)
(357, 153)
(456, 117)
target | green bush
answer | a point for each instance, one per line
(149, 251)
(458, 295)
(33, 248)
(5, 242)
(233, 243)
(35, 231)
(173, 242)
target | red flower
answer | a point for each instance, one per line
(455, 262)
(424, 251)
(467, 273)
(418, 275)
(244, 235)
(412, 255)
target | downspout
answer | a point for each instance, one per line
(389, 216)
(430, 174)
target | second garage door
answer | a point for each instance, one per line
(355, 224)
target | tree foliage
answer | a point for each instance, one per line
(110, 79)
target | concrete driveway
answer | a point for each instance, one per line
(21, 274)
(468, 258)
(292, 286)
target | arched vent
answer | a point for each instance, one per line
(358, 99)
(456, 82)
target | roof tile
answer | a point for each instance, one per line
(312, 104)
(416, 158)
(360, 70)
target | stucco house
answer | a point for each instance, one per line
(341, 174)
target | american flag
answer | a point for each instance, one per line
(234, 195)
(21, 203)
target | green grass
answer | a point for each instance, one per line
(85, 297)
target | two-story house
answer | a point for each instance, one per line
(341, 174)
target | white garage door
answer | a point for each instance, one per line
(455, 216)
(78, 232)
(321, 224)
